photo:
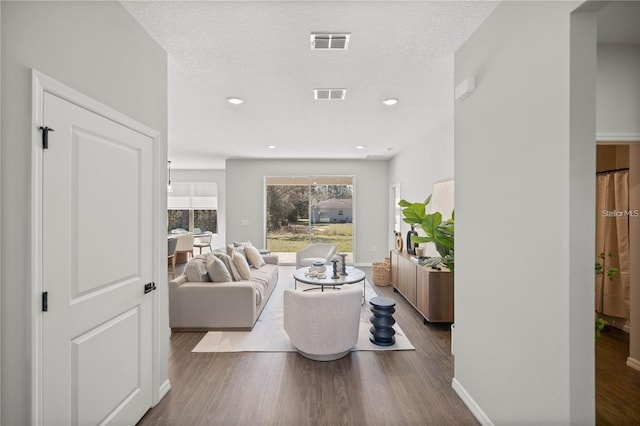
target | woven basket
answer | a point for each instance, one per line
(381, 271)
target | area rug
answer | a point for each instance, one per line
(268, 334)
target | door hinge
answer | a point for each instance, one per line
(45, 301)
(148, 288)
(45, 136)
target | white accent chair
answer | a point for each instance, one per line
(323, 325)
(322, 252)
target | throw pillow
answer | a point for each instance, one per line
(242, 244)
(254, 257)
(196, 270)
(240, 251)
(218, 272)
(226, 259)
(242, 265)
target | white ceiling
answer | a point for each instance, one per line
(260, 51)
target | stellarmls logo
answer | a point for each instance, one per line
(621, 213)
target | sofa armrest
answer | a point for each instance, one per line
(206, 305)
(271, 259)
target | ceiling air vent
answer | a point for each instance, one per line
(330, 41)
(329, 94)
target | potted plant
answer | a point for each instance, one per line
(611, 274)
(436, 231)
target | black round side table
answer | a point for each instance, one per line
(382, 331)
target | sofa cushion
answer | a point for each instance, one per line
(254, 257)
(196, 269)
(226, 259)
(218, 272)
(241, 263)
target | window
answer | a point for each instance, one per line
(193, 206)
(307, 209)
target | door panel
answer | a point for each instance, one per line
(113, 369)
(97, 248)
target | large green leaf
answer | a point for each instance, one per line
(414, 213)
(430, 223)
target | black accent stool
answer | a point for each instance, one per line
(382, 332)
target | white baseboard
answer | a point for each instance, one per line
(164, 389)
(362, 264)
(633, 363)
(470, 403)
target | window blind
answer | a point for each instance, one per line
(193, 195)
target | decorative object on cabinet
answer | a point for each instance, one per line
(411, 245)
(437, 231)
(399, 241)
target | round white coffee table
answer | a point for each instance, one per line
(354, 275)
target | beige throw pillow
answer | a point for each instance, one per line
(218, 272)
(254, 257)
(226, 259)
(242, 265)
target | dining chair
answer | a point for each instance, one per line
(204, 241)
(171, 252)
(185, 245)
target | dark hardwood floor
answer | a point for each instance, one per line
(365, 388)
(617, 386)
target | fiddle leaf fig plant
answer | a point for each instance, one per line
(437, 231)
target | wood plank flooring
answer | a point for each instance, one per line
(365, 388)
(617, 386)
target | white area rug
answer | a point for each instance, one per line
(268, 334)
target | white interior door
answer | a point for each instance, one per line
(97, 257)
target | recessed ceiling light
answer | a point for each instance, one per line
(359, 146)
(271, 146)
(390, 101)
(235, 101)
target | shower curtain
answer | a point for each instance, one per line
(612, 241)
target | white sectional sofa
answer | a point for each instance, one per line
(232, 305)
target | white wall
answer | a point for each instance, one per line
(217, 176)
(618, 101)
(524, 217)
(98, 49)
(245, 199)
(417, 167)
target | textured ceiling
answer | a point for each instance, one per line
(259, 51)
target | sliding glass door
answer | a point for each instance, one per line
(305, 209)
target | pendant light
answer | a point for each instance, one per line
(169, 187)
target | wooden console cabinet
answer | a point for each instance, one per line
(428, 290)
